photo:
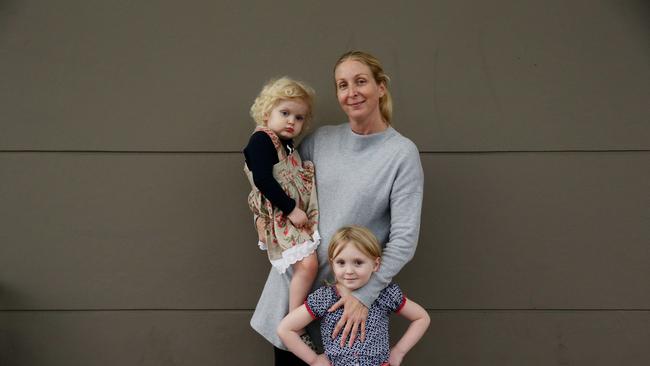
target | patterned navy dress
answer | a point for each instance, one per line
(376, 348)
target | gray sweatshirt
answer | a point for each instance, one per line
(374, 181)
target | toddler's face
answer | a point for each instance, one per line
(287, 118)
(353, 268)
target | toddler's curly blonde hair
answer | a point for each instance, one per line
(277, 90)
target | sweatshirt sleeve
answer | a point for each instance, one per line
(260, 157)
(405, 208)
(306, 147)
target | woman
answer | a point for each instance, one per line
(367, 174)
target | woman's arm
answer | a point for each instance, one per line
(405, 210)
(419, 323)
(288, 332)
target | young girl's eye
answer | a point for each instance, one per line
(340, 262)
(284, 113)
(358, 262)
(300, 117)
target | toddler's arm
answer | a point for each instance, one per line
(261, 155)
(288, 332)
(419, 323)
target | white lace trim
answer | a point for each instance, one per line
(262, 245)
(296, 253)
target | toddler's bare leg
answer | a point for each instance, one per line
(304, 273)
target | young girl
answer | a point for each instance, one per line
(354, 255)
(283, 197)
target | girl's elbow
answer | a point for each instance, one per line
(281, 330)
(426, 319)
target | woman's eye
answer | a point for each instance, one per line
(361, 81)
(342, 85)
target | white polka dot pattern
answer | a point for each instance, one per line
(376, 349)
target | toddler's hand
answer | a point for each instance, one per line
(298, 217)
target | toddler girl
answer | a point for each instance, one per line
(354, 255)
(283, 197)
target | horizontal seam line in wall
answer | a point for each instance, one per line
(248, 310)
(239, 152)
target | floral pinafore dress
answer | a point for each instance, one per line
(285, 243)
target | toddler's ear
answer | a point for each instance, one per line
(377, 264)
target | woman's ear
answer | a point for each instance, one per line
(377, 264)
(382, 90)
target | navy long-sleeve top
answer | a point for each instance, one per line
(261, 156)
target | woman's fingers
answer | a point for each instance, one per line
(346, 332)
(337, 305)
(339, 326)
(353, 335)
(363, 330)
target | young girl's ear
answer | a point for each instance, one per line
(377, 264)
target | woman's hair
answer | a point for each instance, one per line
(277, 90)
(385, 102)
(363, 239)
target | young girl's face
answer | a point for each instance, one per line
(287, 118)
(353, 268)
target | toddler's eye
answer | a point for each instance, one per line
(284, 113)
(340, 262)
(358, 262)
(300, 118)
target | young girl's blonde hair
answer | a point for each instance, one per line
(362, 239)
(385, 102)
(277, 90)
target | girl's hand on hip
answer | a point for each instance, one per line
(298, 217)
(321, 360)
(396, 357)
(354, 318)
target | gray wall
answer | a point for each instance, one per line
(125, 238)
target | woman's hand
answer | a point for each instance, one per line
(298, 217)
(321, 360)
(354, 317)
(261, 230)
(396, 357)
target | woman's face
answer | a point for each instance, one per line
(357, 91)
